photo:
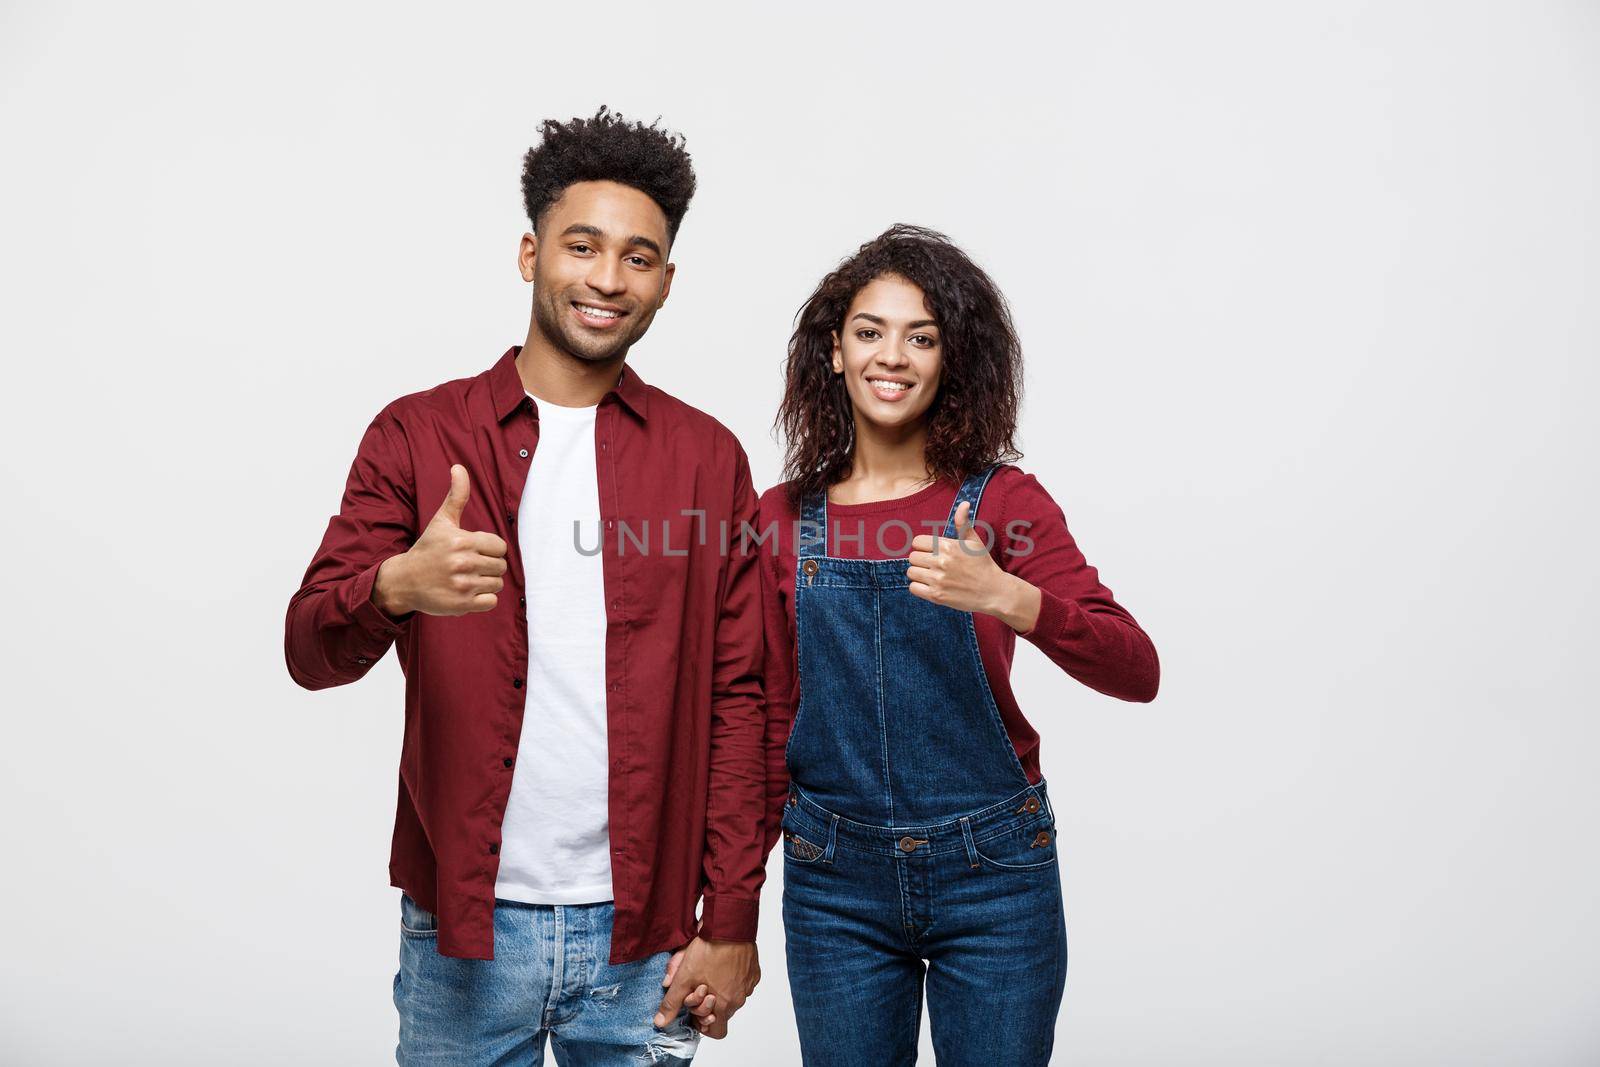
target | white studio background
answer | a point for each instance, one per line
(1307, 293)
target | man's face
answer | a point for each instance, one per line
(599, 269)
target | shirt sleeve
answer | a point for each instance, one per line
(782, 692)
(333, 632)
(1081, 627)
(734, 864)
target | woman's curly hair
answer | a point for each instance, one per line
(972, 421)
(608, 148)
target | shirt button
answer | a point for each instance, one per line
(510, 518)
(361, 661)
(522, 601)
(609, 524)
(616, 605)
(516, 683)
(523, 453)
(604, 445)
(507, 761)
(494, 850)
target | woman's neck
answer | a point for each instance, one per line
(887, 462)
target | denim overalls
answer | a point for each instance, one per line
(911, 833)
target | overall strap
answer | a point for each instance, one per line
(971, 489)
(811, 538)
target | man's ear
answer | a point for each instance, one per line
(838, 358)
(527, 253)
(666, 283)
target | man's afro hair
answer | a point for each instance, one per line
(608, 148)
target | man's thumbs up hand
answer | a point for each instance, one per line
(450, 570)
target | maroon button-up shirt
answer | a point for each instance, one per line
(684, 710)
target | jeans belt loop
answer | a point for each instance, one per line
(966, 838)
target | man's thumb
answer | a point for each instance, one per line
(455, 502)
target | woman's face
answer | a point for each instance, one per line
(889, 352)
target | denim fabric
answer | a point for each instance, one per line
(549, 976)
(916, 852)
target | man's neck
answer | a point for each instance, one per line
(561, 378)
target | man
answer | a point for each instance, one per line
(582, 758)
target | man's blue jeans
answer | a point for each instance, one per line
(549, 976)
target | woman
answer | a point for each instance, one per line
(918, 836)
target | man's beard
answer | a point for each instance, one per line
(552, 309)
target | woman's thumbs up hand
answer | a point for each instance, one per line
(959, 573)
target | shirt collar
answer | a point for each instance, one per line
(505, 386)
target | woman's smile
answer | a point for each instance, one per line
(889, 389)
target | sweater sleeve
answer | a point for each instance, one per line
(1081, 627)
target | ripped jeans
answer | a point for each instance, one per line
(549, 977)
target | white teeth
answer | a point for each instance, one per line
(599, 313)
(897, 387)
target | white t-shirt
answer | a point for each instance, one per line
(554, 841)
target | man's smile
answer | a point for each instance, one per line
(598, 316)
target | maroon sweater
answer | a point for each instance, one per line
(1080, 627)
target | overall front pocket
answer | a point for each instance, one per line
(1031, 847)
(802, 843)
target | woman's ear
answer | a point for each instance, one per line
(838, 357)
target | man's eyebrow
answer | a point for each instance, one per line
(644, 242)
(589, 230)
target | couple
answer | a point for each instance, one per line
(627, 676)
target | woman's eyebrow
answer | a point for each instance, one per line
(881, 322)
